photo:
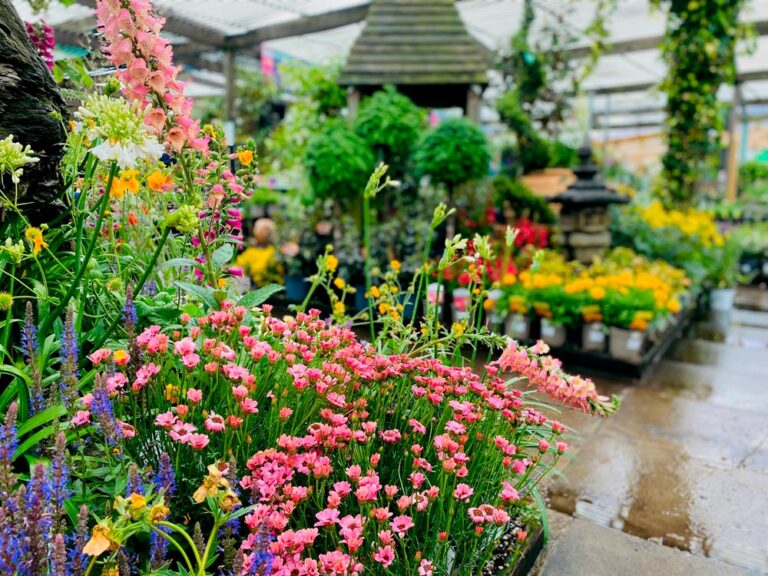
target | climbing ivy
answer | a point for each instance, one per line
(699, 49)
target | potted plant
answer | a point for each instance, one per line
(629, 313)
(723, 273)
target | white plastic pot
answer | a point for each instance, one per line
(518, 327)
(593, 337)
(460, 307)
(552, 334)
(721, 299)
(436, 296)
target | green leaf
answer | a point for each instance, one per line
(48, 415)
(201, 292)
(542, 506)
(8, 395)
(223, 255)
(258, 297)
(34, 440)
(179, 262)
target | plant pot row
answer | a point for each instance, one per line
(620, 343)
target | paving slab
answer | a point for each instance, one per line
(655, 490)
(585, 549)
(733, 359)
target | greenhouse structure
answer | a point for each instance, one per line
(383, 287)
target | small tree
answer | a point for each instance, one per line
(454, 153)
(337, 163)
(391, 124)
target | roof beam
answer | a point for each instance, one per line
(298, 27)
(639, 44)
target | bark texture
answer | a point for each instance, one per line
(29, 104)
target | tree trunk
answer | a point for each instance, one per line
(32, 109)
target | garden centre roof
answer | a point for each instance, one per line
(325, 30)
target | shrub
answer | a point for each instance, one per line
(338, 163)
(522, 201)
(452, 154)
(391, 124)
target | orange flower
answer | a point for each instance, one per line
(132, 220)
(35, 237)
(157, 181)
(100, 541)
(245, 157)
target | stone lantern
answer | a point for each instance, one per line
(584, 216)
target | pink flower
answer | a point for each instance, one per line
(249, 406)
(285, 413)
(194, 395)
(401, 524)
(390, 436)
(463, 492)
(425, 568)
(185, 346)
(214, 423)
(327, 517)
(198, 441)
(561, 447)
(384, 556)
(81, 418)
(543, 445)
(508, 493)
(390, 491)
(181, 410)
(354, 472)
(385, 537)
(165, 420)
(100, 356)
(127, 430)
(239, 391)
(190, 360)
(417, 426)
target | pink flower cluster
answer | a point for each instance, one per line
(545, 374)
(146, 72)
(42, 37)
(359, 457)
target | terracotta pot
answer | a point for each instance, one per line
(593, 337)
(551, 334)
(627, 345)
(518, 327)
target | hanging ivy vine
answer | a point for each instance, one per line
(699, 49)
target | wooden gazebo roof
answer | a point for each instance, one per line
(415, 43)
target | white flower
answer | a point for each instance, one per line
(119, 128)
(13, 157)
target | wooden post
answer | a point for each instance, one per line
(732, 167)
(473, 105)
(353, 102)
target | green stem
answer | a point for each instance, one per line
(178, 547)
(189, 540)
(9, 314)
(137, 290)
(208, 546)
(82, 266)
(367, 246)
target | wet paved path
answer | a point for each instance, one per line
(677, 481)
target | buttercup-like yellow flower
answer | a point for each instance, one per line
(245, 157)
(395, 265)
(339, 308)
(339, 283)
(35, 237)
(331, 262)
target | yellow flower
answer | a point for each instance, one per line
(673, 305)
(489, 304)
(383, 308)
(221, 283)
(457, 329)
(395, 265)
(339, 308)
(375, 292)
(331, 263)
(137, 501)
(245, 157)
(119, 356)
(158, 512)
(157, 181)
(339, 283)
(35, 237)
(127, 180)
(6, 300)
(597, 292)
(508, 279)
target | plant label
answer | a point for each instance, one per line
(547, 330)
(765, 267)
(635, 342)
(596, 336)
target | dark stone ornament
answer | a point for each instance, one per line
(32, 109)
